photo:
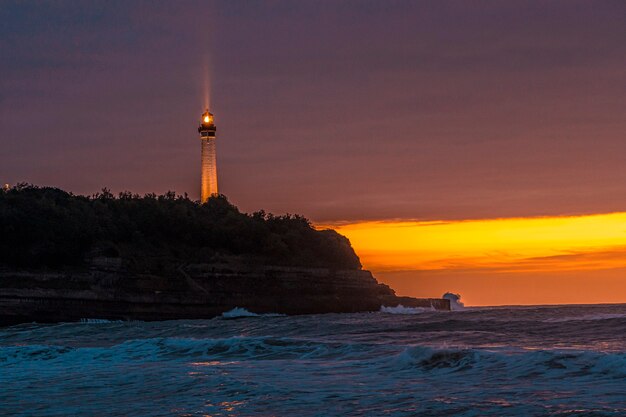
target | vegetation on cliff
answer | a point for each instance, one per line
(43, 227)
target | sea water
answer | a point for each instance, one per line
(520, 361)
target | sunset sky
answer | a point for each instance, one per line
(473, 147)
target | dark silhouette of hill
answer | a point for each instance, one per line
(44, 227)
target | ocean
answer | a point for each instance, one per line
(505, 361)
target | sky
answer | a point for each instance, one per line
(374, 115)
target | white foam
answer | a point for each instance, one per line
(242, 312)
(238, 312)
(99, 321)
(400, 309)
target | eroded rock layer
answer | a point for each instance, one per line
(191, 292)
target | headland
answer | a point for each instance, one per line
(65, 257)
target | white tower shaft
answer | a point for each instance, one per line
(209, 168)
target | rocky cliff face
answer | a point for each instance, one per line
(194, 291)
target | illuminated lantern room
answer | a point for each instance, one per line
(207, 124)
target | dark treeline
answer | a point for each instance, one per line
(43, 227)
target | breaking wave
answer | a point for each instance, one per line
(470, 361)
(99, 321)
(455, 301)
(182, 349)
(239, 312)
(400, 309)
(556, 364)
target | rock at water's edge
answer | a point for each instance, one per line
(195, 291)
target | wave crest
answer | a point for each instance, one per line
(239, 312)
(183, 349)
(522, 364)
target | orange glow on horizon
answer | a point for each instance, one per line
(514, 248)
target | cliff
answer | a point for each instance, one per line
(195, 291)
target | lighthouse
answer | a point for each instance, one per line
(209, 167)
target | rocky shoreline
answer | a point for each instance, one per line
(194, 291)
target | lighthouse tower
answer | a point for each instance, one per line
(209, 168)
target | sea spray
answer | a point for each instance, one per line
(455, 301)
